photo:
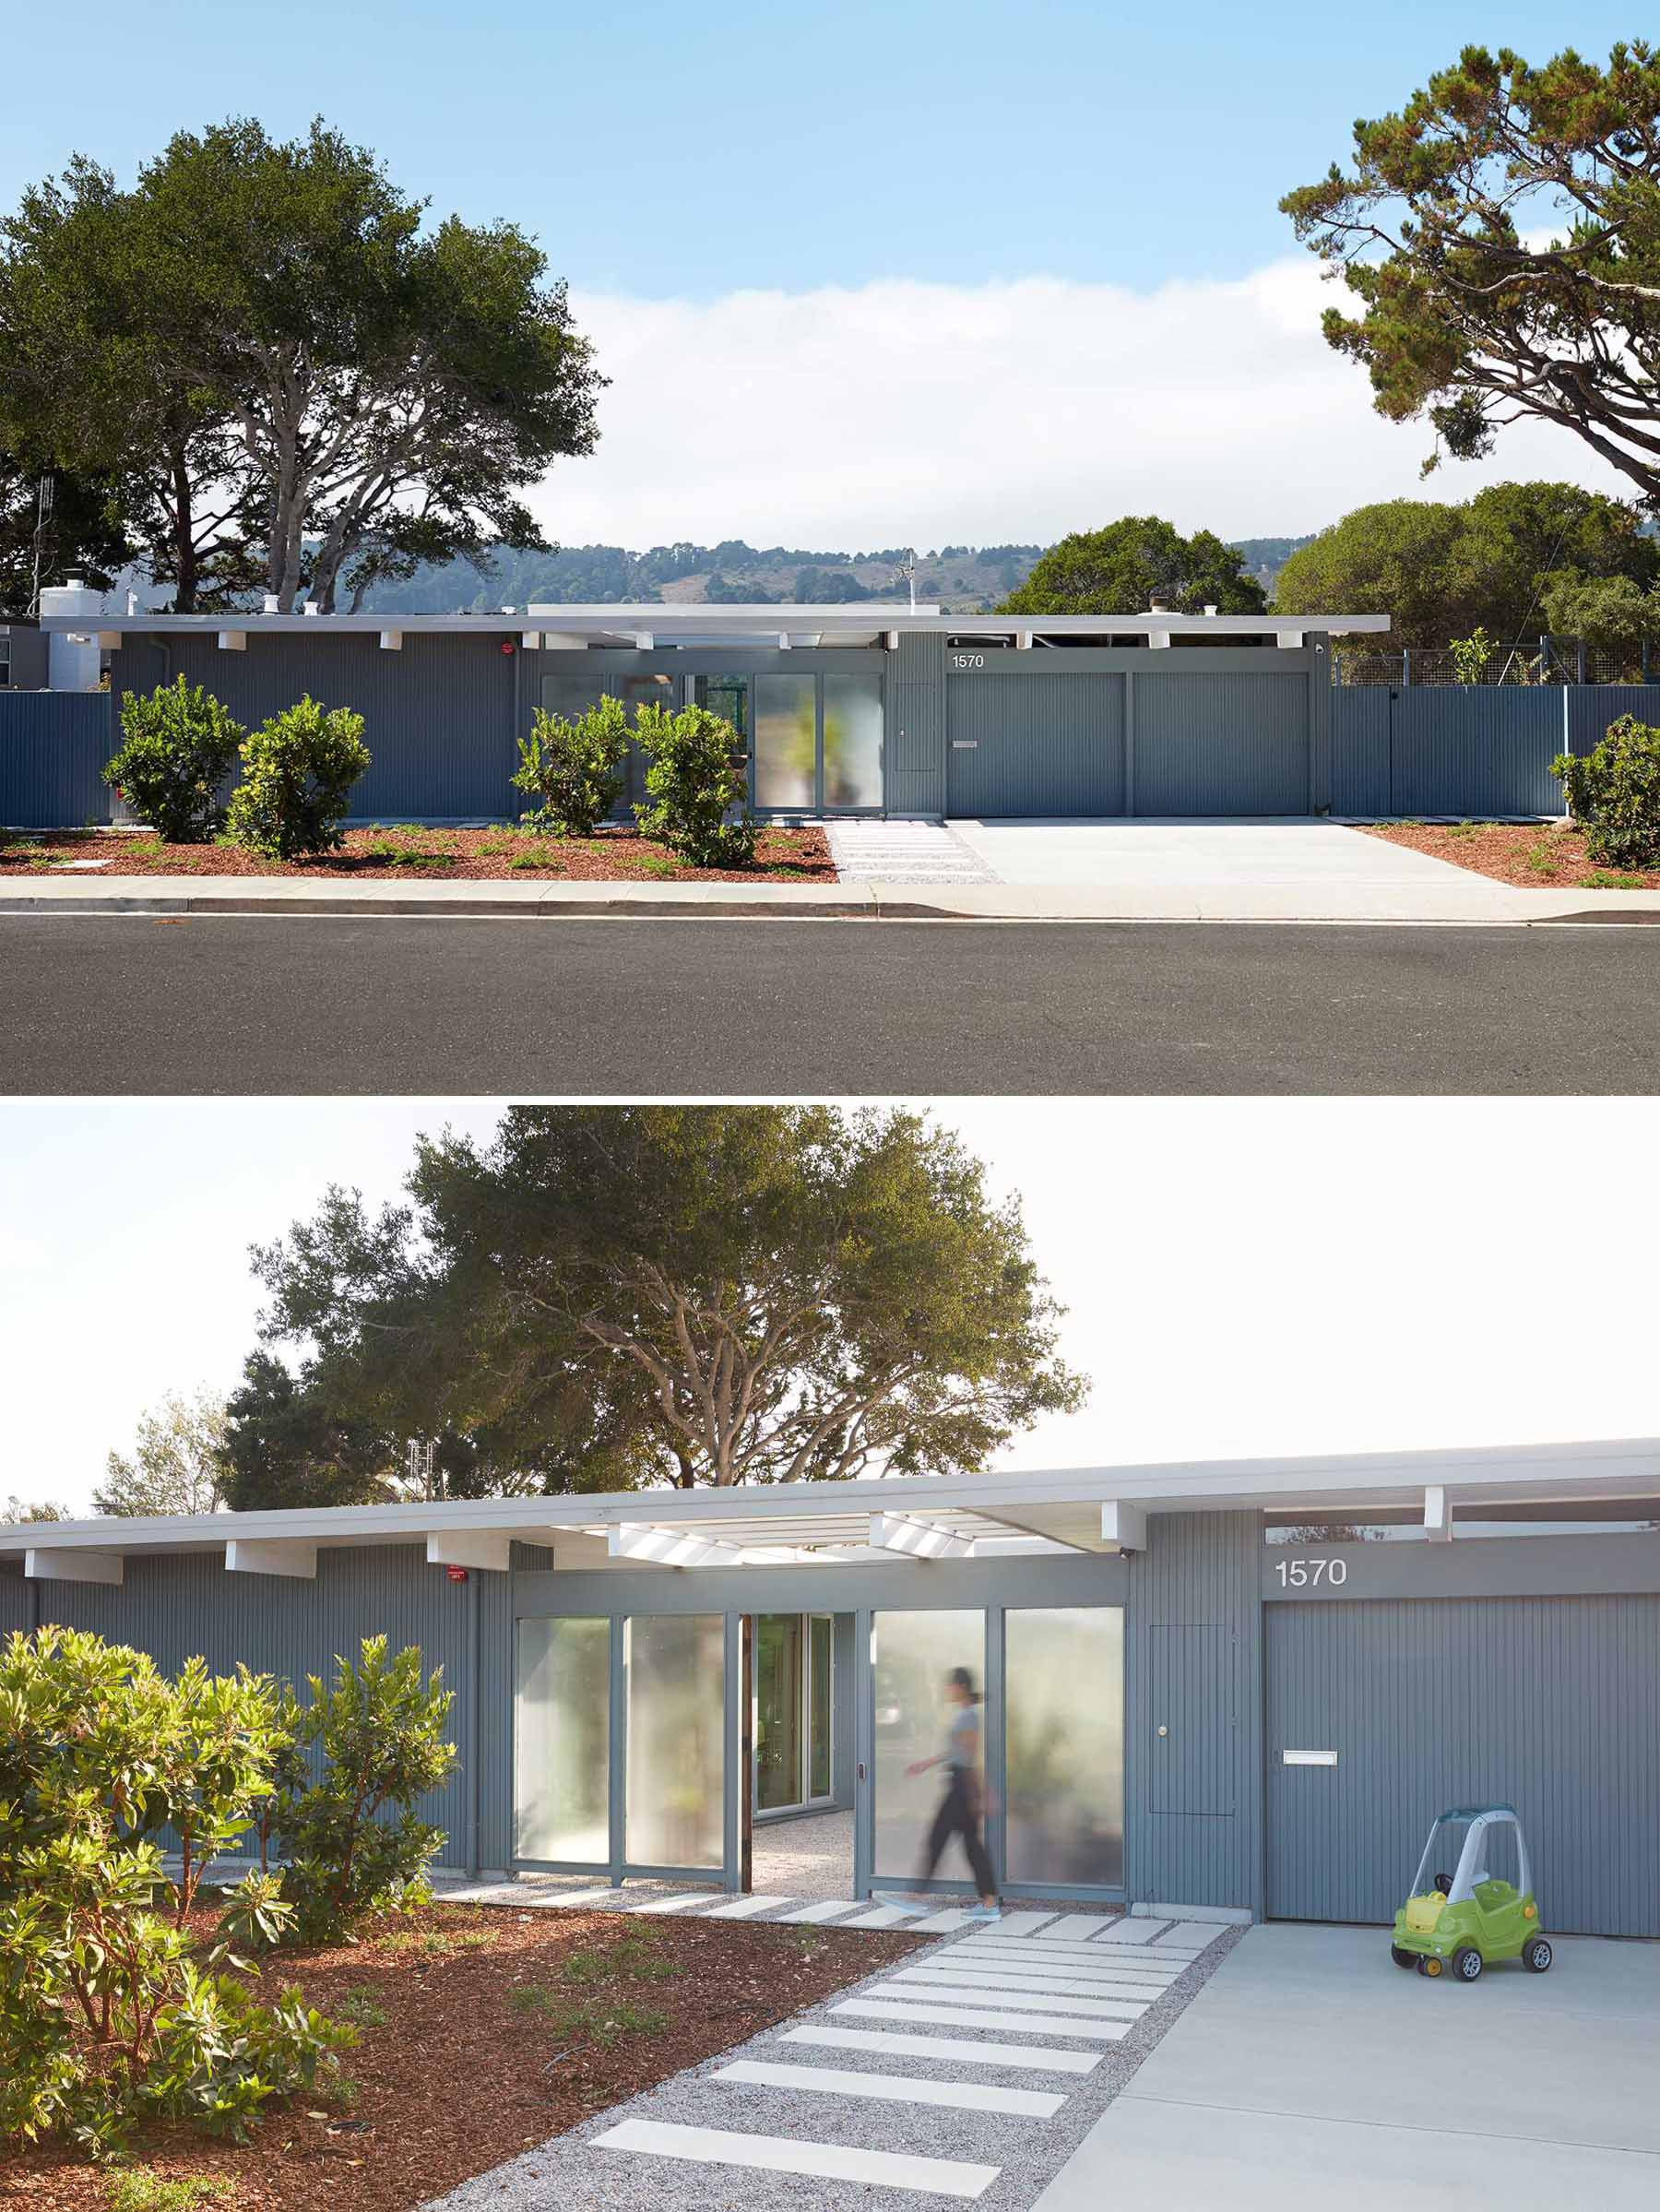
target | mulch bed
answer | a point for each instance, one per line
(411, 854)
(465, 2073)
(1540, 856)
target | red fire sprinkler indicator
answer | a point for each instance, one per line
(457, 1573)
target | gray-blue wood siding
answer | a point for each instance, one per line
(1471, 752)
(914, 727)
(53, 745)
(1552, 1704)
(1230, 744)
(1029, 745)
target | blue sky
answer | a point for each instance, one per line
(968, 226)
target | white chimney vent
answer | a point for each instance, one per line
(1210, 609)
(310, 607)
(270, 604)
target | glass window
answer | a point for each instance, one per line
(1064, 1697)
(821, 1723)
(562, 1761)
(852, 740)
(635, 693)
(913, 1654)
(778, 1711)
(786, 741)
(728, 696)
(676, 1744)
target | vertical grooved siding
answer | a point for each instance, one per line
(1034, 745)
(14, 1600)
(1199, 1574)
(1591, 706)
(1439, 749)
(1222, 744)
(53, 745)
(1552, 1704)
(914, 729)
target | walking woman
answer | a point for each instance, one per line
(961, 1809)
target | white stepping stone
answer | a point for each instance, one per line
(888, 2043)
(1128, 1931)
(689, 1904)
(777, 2154)
(884, 1916)
(745, 1908)
(1023, 1923)
(1017, 1956)
(893, 2089)
(1078, 1925)
(976, 1992)
(964, 1962)
(1061, 1985)
(1012, 2023)
(942, 1923)
(608, 1898)
(814, 1914)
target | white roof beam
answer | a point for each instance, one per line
(41, 1564)
(663, 1548)
(271, 1555)
(917, 1539)
(1123, 1528)
(643, 640)
(479, 1548)
(391, 641)
(109, 641)
(1437, 1514)
(234, 641)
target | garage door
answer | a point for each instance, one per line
(1021, 747)
(1027, 746)
(1551, 1703)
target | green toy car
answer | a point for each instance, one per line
(1461, 1922)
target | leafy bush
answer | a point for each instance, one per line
(1613, 794)
(353, 1845)
(107, 2015)
(1472, 657)
(695, 781)
(298, 771)
(180, 743)
(574, 768)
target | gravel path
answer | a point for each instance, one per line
(570, 2174)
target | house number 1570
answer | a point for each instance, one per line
(1309, 1574)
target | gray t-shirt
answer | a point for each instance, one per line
(961, 1742)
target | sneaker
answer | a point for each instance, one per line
(985, 1912)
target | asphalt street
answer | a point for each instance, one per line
(249, 1004)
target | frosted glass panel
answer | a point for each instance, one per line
(786, 741)
(562, 1767)
(1064, 1745)
(914, 1654)
(852, 740)
(676, 1747)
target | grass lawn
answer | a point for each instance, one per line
(409, 853)
(1536, 855)
(482, 2031)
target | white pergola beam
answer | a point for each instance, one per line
(643, 640)
(917, 1539)
(664, 1548)
(479, 1548)
(234, 641)
(391, 641)
(1123, 1528)
(1437, 1514)
(271, 1555)
(531, 641)
(41, 1564)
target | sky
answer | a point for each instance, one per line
(1243, 1278)
(965, 273)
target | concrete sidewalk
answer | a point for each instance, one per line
(1453, 897)
(1312, 2072)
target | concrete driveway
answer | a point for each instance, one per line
(1311, 2072)
(1299, 854)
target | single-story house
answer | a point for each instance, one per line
(839, 711)
(1245, 1685)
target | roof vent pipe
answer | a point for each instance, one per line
(1210, 609)
(309, 606)
(1155, 603)
(272, 604)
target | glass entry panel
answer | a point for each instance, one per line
(562, 1764)
(571, 697)
(1064, 1676)
(821, 1686)
(913, 1654)
(676, 1667)
(635, 692)
(787, 742)
(852, 740)
(778, 1661)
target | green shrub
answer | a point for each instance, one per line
(346, 1826)
(574, 768)
(298, 771)
(179, 746)
(1613, 794)
(107, 2016)
(1472, 657)
(694, 783)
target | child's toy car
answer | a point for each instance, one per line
(1465, 1921)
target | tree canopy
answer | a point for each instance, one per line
(1119, 569)
(177, 1463)
(298, 381)
(1502, 235)
(80, 533)
(617, 1297)
(1444, 569)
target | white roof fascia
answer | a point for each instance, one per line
(623, 623)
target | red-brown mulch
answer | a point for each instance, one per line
(1540, 856)
(416, 855)
(460, 2078)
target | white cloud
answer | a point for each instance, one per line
(903, 412)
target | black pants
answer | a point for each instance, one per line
(957, 1817)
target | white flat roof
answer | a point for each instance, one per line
(1007, 1513)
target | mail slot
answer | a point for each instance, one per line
(1308, 1758)
(964, 744)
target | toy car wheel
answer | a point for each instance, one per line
(1466, 1963)
(1429, 1967)
(1401, 1958)
(1536, 1954)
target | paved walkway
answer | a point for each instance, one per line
(810, 1857)
(1313, 2073)
(969, 2071)
(903, 852)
